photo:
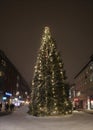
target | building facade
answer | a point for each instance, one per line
(11, 81)
(83, 97)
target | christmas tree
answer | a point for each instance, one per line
(49, 95)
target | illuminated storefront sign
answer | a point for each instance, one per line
(76, 100)
(8, 94)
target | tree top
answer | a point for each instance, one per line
(47, 34)
(47, 30)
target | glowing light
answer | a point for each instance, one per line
(66, 112)
(52, 81)
(60, 64)
(52, 88)
(32, 83)
(1, 73)
(4, 98)
(61, 72)
(8, 94)
(56, 108)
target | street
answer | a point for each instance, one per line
(20, 120)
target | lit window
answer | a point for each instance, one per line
(91, 67)
(91, 79)
(1, 73)
(78, 93)
(3, 62)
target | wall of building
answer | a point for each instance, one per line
(11, 80)
(84, 87)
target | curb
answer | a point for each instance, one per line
(5, 113)
(89, 111)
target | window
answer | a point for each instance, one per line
(91, 77)
(91, 67)
(78, 93)
(1, 73)
(3, 62)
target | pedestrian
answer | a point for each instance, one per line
(0, 106)
(6, 106)
(11, 106)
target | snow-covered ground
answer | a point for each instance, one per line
(20, 120)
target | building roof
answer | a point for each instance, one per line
(91, 60)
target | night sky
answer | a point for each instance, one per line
(21, 27)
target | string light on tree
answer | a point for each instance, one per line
(48, 87)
